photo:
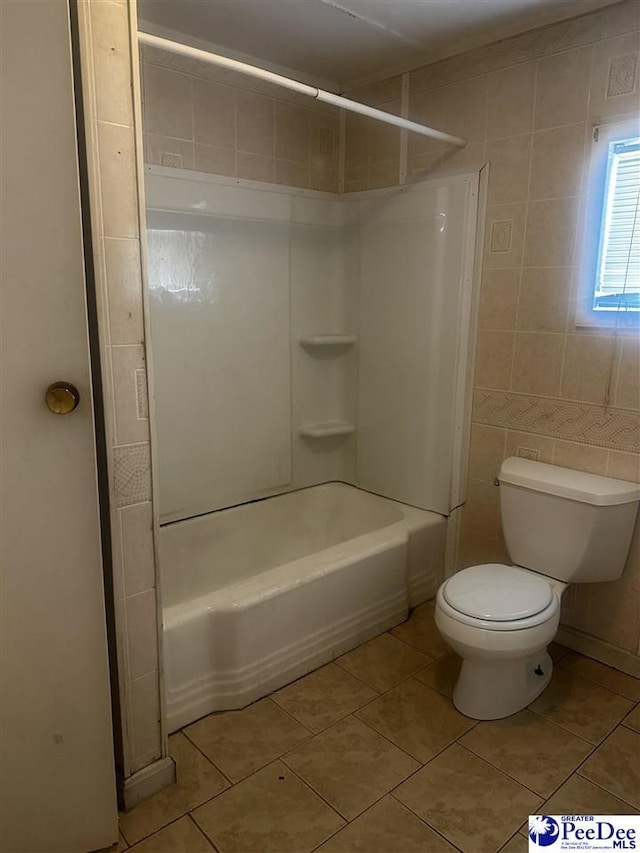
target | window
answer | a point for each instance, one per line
(618, 270)
(611, 248)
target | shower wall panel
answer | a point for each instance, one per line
(416, 260)
(220, 322)
(237, 276)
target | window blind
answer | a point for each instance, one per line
(618, 282)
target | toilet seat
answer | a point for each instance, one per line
(498, 598)
(498, 593)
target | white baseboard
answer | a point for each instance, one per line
(600, 650)
(148, 781)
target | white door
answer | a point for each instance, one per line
(57, 782)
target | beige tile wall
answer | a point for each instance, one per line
(113, 165)
(372, 149)
(199, 117)
(543, 388)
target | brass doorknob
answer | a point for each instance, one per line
(62, 398)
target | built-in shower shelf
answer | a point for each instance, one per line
(328, 340)
(326, 430)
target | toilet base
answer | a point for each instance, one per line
(492, 689)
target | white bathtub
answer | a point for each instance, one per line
(257, 595)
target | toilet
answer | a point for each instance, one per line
(560, 527)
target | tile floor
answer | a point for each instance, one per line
(368, 755)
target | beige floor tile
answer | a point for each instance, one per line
(469, 802)
(183, 836)
(240, 742)
(615, 765)
(632, 720)
(605, 676)
(420, 631)
(580, 706)
(387, 827)
(579, 796)
(383, 662)
(270, 812)
(350, 766)
(320, 699)
(531, 750)
(415, 718)
(122, 844)
(442, 674)
(517, 844)
(197, 781)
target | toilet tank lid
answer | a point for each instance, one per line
(576, 485)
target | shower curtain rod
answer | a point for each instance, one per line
(296, 86)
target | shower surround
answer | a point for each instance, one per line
(311, 364)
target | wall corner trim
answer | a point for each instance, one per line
(625, 661)
(147, 782)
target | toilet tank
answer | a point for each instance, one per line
(568, 525)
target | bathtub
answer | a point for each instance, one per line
(260, 594)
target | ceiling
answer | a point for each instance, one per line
(341, 44)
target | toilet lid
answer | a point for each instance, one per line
(498, 593)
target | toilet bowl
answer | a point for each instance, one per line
(501, 618)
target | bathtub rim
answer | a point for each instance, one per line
(250, 591)
(411, 519)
